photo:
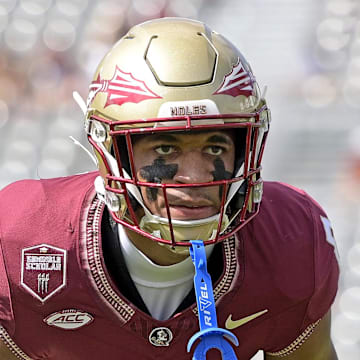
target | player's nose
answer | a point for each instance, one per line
(194, 168)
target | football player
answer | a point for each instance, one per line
(97, 265)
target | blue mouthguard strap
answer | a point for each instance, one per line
(210, 335)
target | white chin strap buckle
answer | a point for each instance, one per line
(258, 192)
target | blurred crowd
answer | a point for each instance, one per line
(307, 52)
(49, 49)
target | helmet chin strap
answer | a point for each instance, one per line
(78, 143)
(80, 101)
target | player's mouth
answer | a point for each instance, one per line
(191, 212)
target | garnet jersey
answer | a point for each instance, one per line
(61, 299)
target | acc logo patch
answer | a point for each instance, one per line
(70, 319)
(43, 270)
(160, 336)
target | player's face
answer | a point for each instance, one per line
(180, 158)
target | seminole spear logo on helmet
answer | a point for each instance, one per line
(122, 88)
(237, 82)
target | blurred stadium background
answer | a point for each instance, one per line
(307, 52)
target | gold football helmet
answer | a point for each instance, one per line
(171, 75)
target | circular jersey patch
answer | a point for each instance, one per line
(160, 336)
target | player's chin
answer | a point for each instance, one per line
(178, 212)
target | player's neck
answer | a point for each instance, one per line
(160, 255)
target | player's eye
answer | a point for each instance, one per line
(214, 150)
(165, 149)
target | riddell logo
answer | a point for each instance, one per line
(69, 319)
